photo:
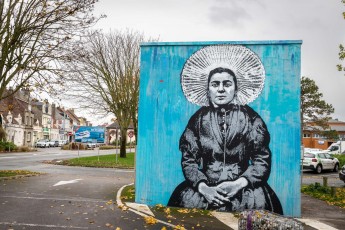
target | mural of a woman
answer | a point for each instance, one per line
(226, 159)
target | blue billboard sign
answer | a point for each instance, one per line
(87, 134)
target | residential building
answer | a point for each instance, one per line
(18, 118)
(113, 133)
(313, 135)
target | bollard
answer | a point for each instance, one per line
(333, 191)
(325, 181)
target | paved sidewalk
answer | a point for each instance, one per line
(316, 214)
(319, 210)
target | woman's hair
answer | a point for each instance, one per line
(222, 70)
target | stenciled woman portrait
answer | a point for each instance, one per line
(226, 159)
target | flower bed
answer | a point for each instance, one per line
(261, 219)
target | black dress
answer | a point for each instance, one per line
(223, 145)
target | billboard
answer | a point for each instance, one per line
(219, 126)
(92, 134)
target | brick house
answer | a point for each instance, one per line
(312, 136)
(18, 119)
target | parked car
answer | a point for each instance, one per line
(91, 145)
(312, 150)
(62, 142)
(56, 143)
(53, 143)
(342, 174)
(42, 143)
(319, 161)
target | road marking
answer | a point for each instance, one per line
(227, 218)
(120, 204)
(7, 157)
(63, 182)
(57, 199)
(41, 225)
(140, 207)
(317, 224)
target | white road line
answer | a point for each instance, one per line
(63, 182)
(7, 157)
(227, 218)
(42, 225)
(140, 207)
(119, 203)
(54, 198)
(317, 224)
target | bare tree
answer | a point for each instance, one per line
(105, 77)
(34, 37)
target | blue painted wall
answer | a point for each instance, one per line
(164, 113)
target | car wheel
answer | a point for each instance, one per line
(336, 168)
(318, 169)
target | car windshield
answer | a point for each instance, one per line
(333, 148)
(309, 155)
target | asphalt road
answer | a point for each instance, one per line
(79, 198)
(309, 177)
(64, 197)
(71, 197)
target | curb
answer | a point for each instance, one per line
(227, 218)
(135, 207)
(19, 176)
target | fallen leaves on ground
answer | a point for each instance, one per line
(184, 210)
(167, 211)
(122, 207)
(110, 202)
(150, 220)
(180, 227)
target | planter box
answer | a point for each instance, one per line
(260, 219)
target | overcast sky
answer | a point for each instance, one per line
(319, 23)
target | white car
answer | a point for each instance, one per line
(62, 142)
(53, 143)
(91, 145)
(42, 143)
(319, 161)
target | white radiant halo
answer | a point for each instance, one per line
(246, 65)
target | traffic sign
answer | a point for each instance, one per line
(130, 134)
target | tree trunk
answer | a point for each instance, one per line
(2, 134)
(123, 142)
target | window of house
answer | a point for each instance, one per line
(27, 120)
(316, 135)
(28, 137)
(306, 135)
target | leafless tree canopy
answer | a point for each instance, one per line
(104, 76)
(34, 37)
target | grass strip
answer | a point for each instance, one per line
(128, 194)
(10, 173)
(102, 161)
(325, 193)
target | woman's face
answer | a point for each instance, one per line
(221, 89)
